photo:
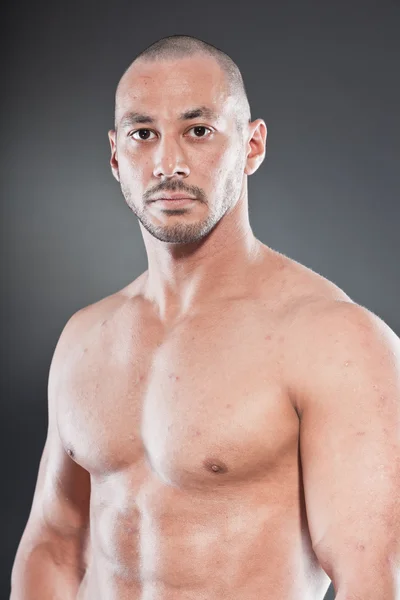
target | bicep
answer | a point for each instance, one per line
(57, 531)
(350, 467)
(63, 490)
(350, 447)
(62, 494)
(59, 516)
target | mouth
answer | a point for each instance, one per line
(174, 201)
(173, 196)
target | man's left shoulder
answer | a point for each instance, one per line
(301, 287)
(335, 341)
(324, 320)
(317, 311)
(316, 301)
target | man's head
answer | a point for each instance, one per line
(182, 124)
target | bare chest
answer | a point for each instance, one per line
(204, 406)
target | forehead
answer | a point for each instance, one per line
(168, 87)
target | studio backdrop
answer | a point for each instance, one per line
(324, 77)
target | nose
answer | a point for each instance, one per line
(170, 160)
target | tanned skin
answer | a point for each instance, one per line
(226, 426)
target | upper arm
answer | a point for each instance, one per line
(60, 507)
(347, 390)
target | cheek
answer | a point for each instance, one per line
(223, 164)
(133, 167)
(213, 163)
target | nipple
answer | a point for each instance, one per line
(216, 466)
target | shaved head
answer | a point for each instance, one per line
(183, 46)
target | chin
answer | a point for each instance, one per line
(179, 233)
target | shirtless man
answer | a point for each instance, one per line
(228, 425)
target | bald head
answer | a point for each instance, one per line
(183, 46)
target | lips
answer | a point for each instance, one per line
(173, 197)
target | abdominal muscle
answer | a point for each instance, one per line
(174, 544)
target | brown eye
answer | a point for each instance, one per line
(143, 133)
(200, 130)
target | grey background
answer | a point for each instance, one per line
(324, 76)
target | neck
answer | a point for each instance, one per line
(182, 276)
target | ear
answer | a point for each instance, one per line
(113, 159)
(256, 146)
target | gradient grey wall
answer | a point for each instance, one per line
(324, 76)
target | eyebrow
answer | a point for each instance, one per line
(193, 113)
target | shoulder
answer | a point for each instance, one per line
(322, 322)
(301, 285)
(337, 342)
(325, 331)
(86, 319)
(292, 288)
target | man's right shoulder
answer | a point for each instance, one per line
(92, 315)
(84, 318)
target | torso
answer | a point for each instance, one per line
(191, 441)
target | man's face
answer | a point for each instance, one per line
(200, 154)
